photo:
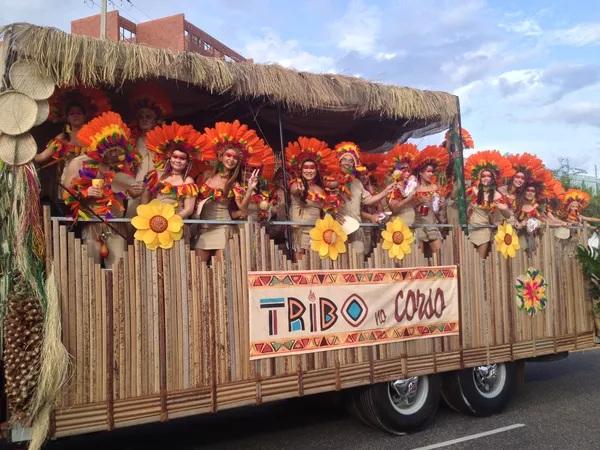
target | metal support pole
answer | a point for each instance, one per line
(288, 230)
(459, 175)
(103, 8)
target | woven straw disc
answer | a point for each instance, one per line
(17, 150)
(25, 77)
(18, 112)
(42, 112)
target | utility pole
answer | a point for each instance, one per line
(103, 7)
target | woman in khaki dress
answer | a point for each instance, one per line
(429, 202)
(174, 148)
(398, 165)
(485, 169)
(232, 147)
(308, 159)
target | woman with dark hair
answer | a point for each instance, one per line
(72, 107)
(232, 147)
(429, 202)
(485, 169)
(308, 160)
(174, 148)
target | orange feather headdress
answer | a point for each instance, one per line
(162, 140)
(432, 155)
(576, 195)
(93, 101)
(310, 149)
(467, 139)
(536, 174)
(253, 150)
(352, 149)
(400, 155)
(106, 132)
(490, 160)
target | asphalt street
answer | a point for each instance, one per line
(558, 407)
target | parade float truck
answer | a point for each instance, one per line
(163, 335)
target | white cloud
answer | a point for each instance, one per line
(383, 56)
(579, 35)
(527, 27)
(358, 29)
(271, 48)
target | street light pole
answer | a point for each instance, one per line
(103, 7)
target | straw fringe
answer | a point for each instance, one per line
(54, 367)
(69, 59)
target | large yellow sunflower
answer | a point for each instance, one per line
(507, 241)
(157, 225)
(327, 238)
(397, 239)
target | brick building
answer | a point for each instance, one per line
(173, 32)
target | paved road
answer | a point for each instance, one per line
(559, 406)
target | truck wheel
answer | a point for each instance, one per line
(480, 391)
(403, 405)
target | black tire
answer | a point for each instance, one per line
(389, 407)
(478, 391)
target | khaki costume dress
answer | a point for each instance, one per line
(424, 215)
(215, 207)
(309, 212)
(351, 207)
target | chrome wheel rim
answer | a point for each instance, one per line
(489, 380)
(408, 395)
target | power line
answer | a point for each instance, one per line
(134, 6)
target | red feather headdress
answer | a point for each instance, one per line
(490, 160)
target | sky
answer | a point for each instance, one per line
(527, 72)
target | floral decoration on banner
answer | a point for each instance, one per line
(531, 291)
(397, 239)
(328, 238)
(157, 225)
(507, 241)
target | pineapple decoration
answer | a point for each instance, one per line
(23, 333)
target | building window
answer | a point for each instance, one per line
(126, 35)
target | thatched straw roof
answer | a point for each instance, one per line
(68, 59)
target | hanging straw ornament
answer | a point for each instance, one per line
(19, 113)
(17, 150)
(26, 78)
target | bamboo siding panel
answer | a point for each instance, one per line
(165, 335)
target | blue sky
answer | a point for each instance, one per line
(527, 72)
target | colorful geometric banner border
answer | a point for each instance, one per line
(337, 341)
(345, 277)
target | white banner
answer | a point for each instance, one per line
(299, 312)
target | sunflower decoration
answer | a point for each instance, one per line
(157, 225)
(328, 238)
(507, 241)
(397, 239)
(531, 292)
(573, 201)
(92, 100)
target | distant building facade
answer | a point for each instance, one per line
(172, 32)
